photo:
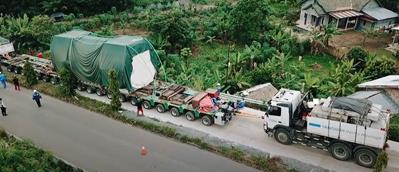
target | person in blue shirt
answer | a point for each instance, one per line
(36, 97)
(3, 80)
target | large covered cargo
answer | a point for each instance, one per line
(90, 58)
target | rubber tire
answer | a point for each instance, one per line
(10, 68)
(280, 133)
(342, 146)
(207, 120)
(133, 101)
(371, 155)
(160, 108)
(80, 87)
(38, 76)
(90, 90)
(122, 98)
(190, 116)
(99, 92)
(175, 112)
(54, 80)
(147, 105)
(46, 78)
(17, 70)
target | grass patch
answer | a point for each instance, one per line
(383, 53)
(318, 65)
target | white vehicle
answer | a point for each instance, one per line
(347, 128)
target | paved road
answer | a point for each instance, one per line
(97, 143)
(248, 131)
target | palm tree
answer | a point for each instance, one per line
(316, 42)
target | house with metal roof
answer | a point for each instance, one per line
(388, 84)
(345, 14)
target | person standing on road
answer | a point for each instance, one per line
(3, 107)
(16, 83)
(139, 105)
(3, 80)
(36, 97)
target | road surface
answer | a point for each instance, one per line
(96, 143)
(248, 131)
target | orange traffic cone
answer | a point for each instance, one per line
(143, 151)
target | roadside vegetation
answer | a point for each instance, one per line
(17, 155)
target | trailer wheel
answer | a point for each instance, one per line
(175, 112)
(17, 70)
(10, 68)
(365, 157)
(147, 104)
(90, 90)
(190, 116)
(38, 76)
(160, 108)
(207, 120)
(80, 87)
(282, 136)
(340, 151)
(99, 92)
(46, 78)
(54, 80)
(133, 101)
(122, 98)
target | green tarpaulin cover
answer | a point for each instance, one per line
(3, 41)
(90, 58)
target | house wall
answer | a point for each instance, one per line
(311, 12)
(384, 23)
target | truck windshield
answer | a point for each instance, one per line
(274, 110)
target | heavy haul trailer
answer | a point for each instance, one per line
(43, 68)
(347, 128)
(180, 100)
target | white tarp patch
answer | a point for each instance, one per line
(143, 72)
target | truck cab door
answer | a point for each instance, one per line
(277, 115)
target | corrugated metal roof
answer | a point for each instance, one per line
(391, 81)
(380, 13)
(378, 97)
(337, 5)
(345, 14)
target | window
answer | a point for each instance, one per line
(275, 111)
(306, 18)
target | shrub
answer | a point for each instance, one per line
(359, 56)
(68, 80)
(30, 74)
(394, 129)
(382, 162)
(379, 67)
(114, 90)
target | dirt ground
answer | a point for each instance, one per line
(350, 39)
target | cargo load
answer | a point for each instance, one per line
(90, 58)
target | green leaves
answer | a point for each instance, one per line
(113, 88)
(29, 74)
(68, 81)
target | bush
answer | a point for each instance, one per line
(382, 162)
(379, 67)
(359, 56)
(394, 129)
(30, 74)
(68, 80)
(114, 89)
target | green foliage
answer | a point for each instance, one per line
(248, 20)
(379, 67)
(106, 31)
(114, 90)
(173, 26)
(216, 24)
(186, 53)
(382, 162)
(24, 156)
(394, 128)
(29, 74)
(359, 56)
(343, 80)
(68, 81)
